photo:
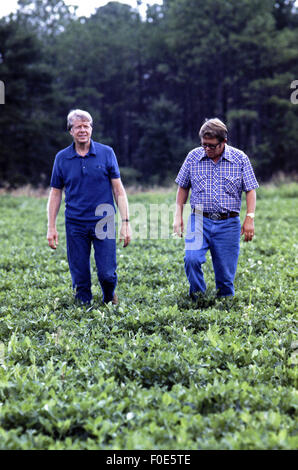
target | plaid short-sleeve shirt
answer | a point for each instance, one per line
(217, 187)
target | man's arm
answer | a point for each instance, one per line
(181, 198)
(248, 227)
(53, 207)
(122, 203)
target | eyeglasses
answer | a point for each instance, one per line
(211, 146)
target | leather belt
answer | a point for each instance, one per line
(217, 215)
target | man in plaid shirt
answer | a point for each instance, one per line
(217, 174)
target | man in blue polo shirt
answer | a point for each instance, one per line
(89, 173)
(217, 174)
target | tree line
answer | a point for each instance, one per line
(148, 83)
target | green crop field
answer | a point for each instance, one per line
(156, 371)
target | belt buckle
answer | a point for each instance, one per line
(214, 216)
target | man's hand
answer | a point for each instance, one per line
(181, 198)
(52, 237)
(248, 229)
(178, 226)
(125, 233)
(53, 209)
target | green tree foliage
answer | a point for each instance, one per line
(160, 145)
(149, 84)
(30, 131)
(23, 118)
(47, 18)
(102, 71)
(233, 62)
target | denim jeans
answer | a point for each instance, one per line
(79, 239)
(222, 238)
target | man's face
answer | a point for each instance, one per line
(81, 131)
(213, 147)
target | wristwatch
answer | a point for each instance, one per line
(251, 215)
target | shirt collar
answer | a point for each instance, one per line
(72, 150)
(225, 155)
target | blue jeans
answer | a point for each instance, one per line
(79, 239)
(222, 238)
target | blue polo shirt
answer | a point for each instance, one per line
(87, 180)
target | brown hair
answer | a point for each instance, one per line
(214, 129)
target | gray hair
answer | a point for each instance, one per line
(214, 128)
(78, 114)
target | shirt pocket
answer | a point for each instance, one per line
(199, 184)
(99, 172)
(232, 185)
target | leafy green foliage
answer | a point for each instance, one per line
(157, 371)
